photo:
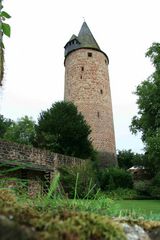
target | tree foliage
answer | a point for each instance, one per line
(62, 129)
(4, 27)
(4, 125)
(148, 119)
(113, 178)
(4, 30)
(22, 131)
(127, 159)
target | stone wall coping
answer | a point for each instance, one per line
(29, 157)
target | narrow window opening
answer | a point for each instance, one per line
(89, 54)
(101, 91)
(98, 115)
(105, 61)
(82, 68)
(81, 76)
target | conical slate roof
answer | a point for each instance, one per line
(85, 39)
(73, 37)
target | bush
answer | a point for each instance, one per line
(155, 187)
(79, 181)
(155, 192)
(122, 193)
(113, 178)
(62, 129)
(142, 187)
(156, 180)
(148, 188)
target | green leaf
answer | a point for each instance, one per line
(5, 14)
(2, 45)
(6, 29)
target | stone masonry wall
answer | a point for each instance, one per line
(42, 159)
(87, 85)
(35, 165)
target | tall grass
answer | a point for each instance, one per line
(76, 185)
(56, 199)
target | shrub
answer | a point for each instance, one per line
(142, 187)
(79, 181)
(155, 192)
(122, 193)
(62, 129)
(155, 186)
(113, 178)
(156, 180)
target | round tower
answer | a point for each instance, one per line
(87, 86)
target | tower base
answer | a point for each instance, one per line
(107, 159)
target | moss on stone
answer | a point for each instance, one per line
(61, 224)
(79, 226)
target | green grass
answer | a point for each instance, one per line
(101, 203)
(54, 220)
(143, 206)
(147, 209)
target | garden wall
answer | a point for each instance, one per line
(34, 165)
(43, 159)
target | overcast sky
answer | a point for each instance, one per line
(34, 70)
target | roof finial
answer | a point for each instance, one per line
(84, 19)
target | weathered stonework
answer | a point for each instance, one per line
(34, 158)
(34, 165)
(87, 85)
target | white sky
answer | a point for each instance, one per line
(34, 70)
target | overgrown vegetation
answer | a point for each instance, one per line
(4, 125)
(82, 178)
(22, 131)
(113, 178)
(56, 216)
(127, 159)
(63, 129)
(80, 195)
(48, 224)
(4, 30)
(147, 120)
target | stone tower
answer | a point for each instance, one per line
(87, 86)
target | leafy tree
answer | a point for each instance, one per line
(139, 159)
(4, 125)
(62, 129)
(22, 131)
(127, 159)
(152, 148)
(148, 119)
